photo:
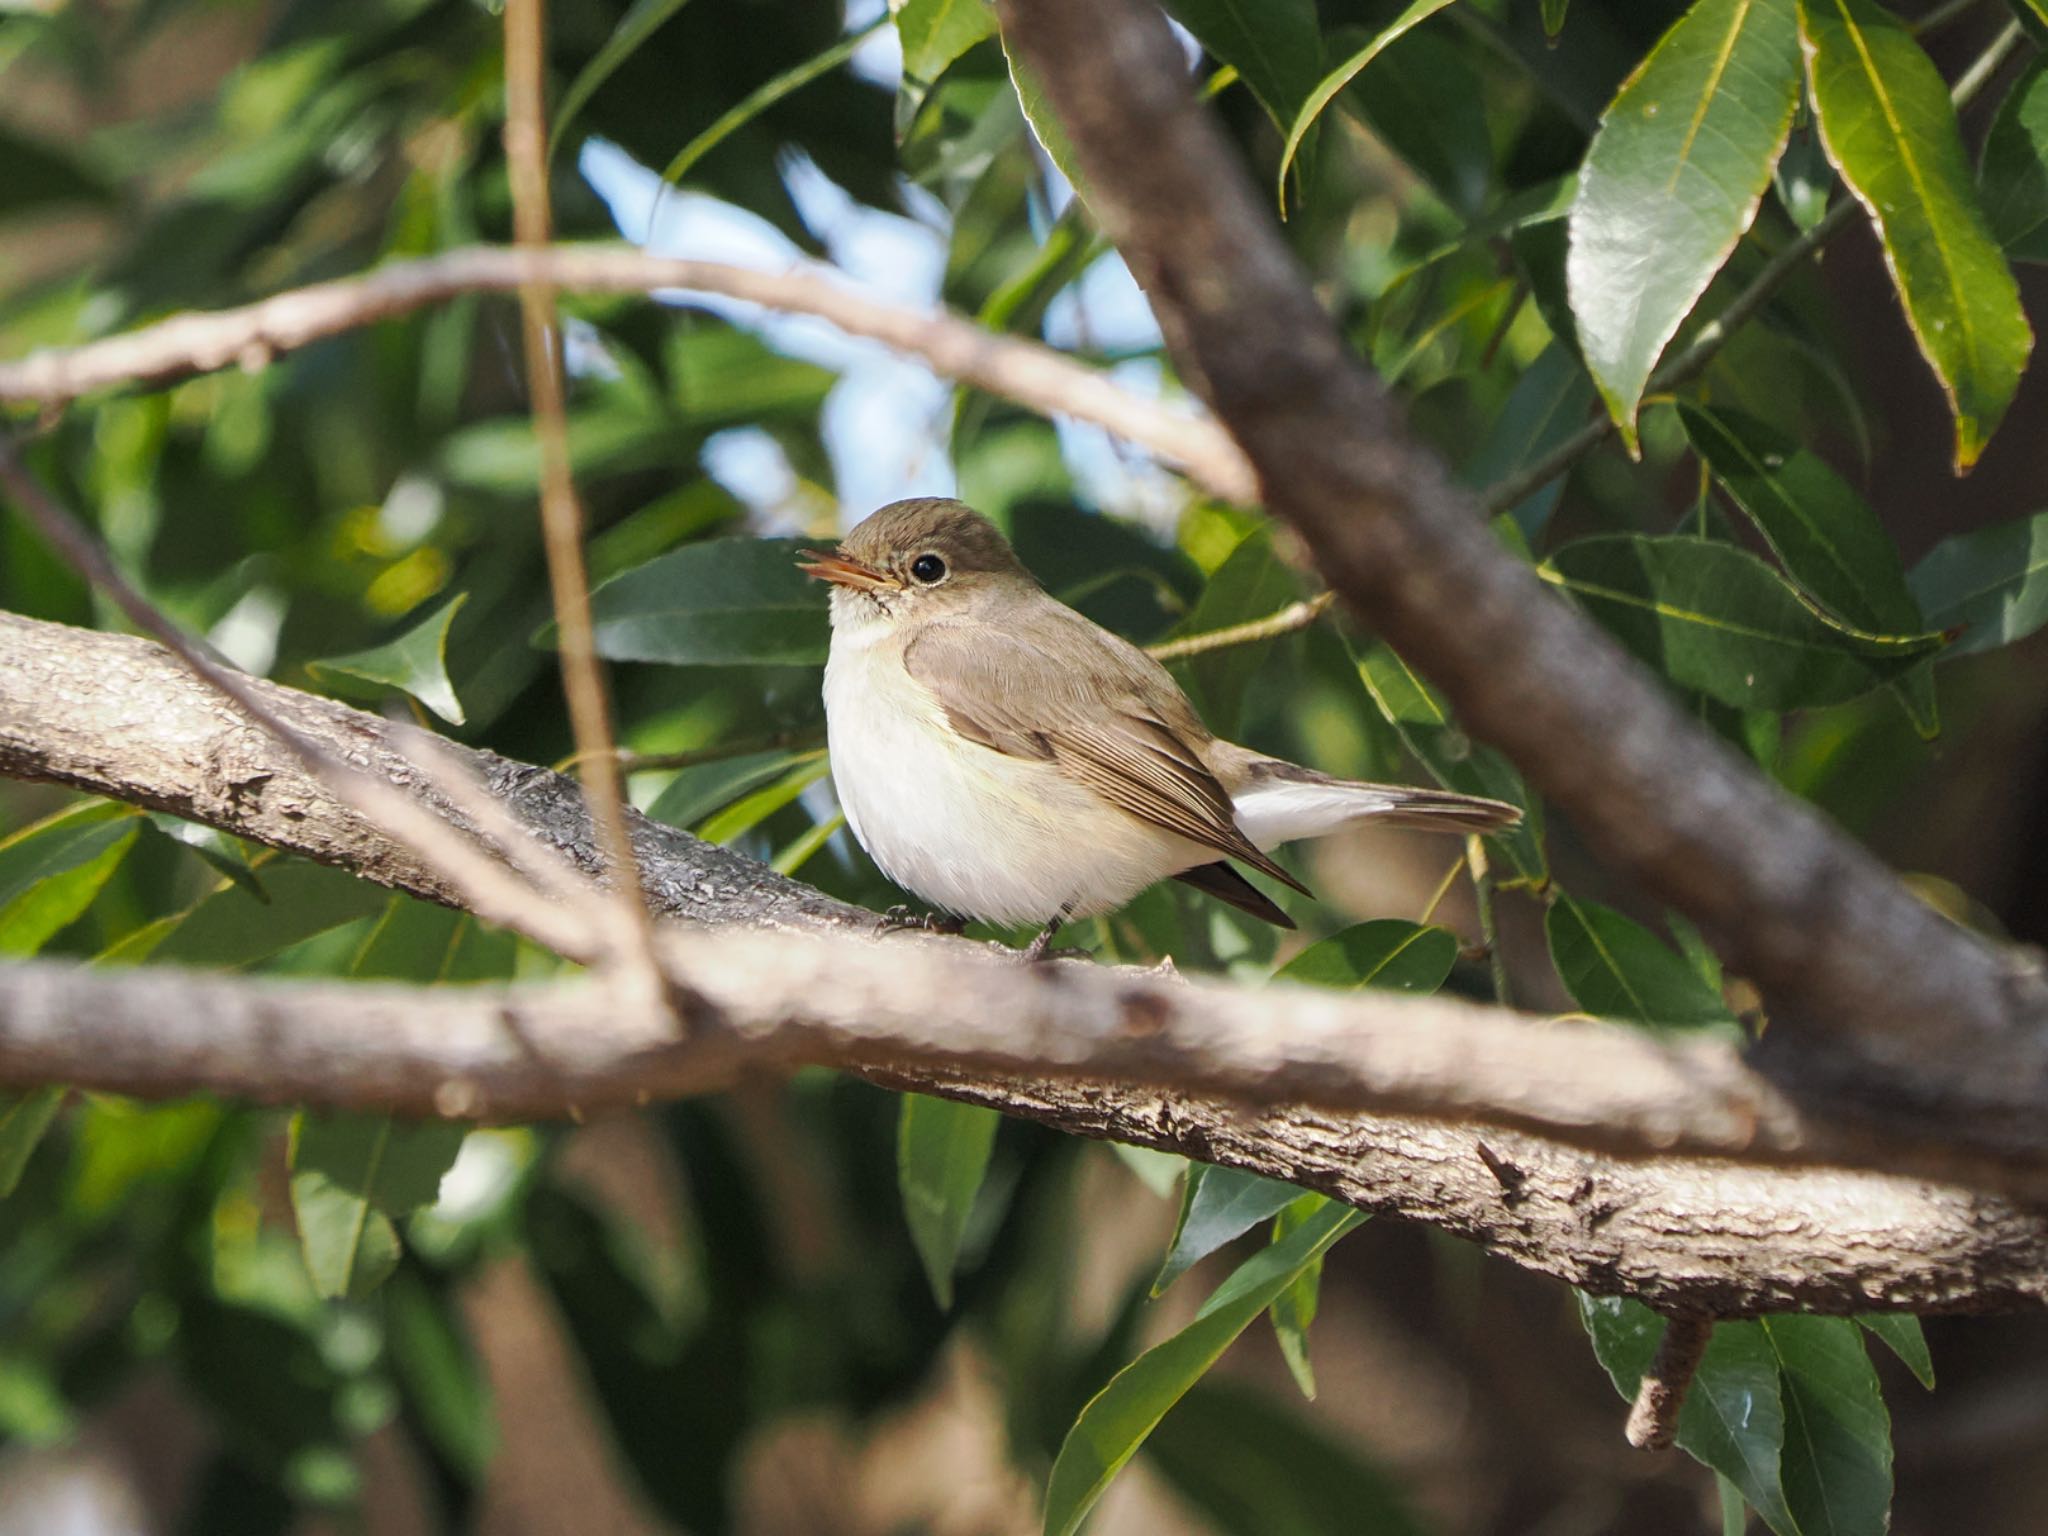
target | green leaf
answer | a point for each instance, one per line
(1838, 1436)
(1733, 1419)
(1045, 123)
(1273, 45)
(1888, 126)
(2033, 16)
(942, 1152)
(235, 927)
(638, 24)
(1117, 1420)
(416, 662)
(1250, 584)
(1902, 1336)
(1618, 969)
(51, 871)
(697, 791)
(766, 95)
(351, 1176)
(724, 602)
(1715, 618)
(1218, 1206)
(42, 175)
(1674, 176)
(1547, 405)
(1256, 1469)
(1553, 17)
(440, 1374)
(2012, 176)
(1325, 90)
(24, 1117)
(1826, 536)
(934, 33)
(1388, 952)
(1992, 584)
(741, 817)
(1294, 1309)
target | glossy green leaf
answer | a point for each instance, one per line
(1618, 969)
(1274, 46)
(1255, 1468)
(1326, 89)
(2012, 176)
(1425, 99)
(1888, 126)
(942, 1152)
(1045, 124)
(1902, 1336)
(1117, 1420)
(1992, 584)
(1388, 952)
(1733, 1419)
(1218, 1206)
(1294, 1310)
(351, 1177)
(1251, 583)
(1715, 618)
(1838, 1435)
(51, 871)
(24, 1117)
(635, 27)
(416, 662)
(1548, 404)
(743, 815)
(724, 602)
(934, 33)
(1825, 535)
(698, 791)
(766, 95)
(1674, 176)
(235, 927)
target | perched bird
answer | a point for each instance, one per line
(1004, 758)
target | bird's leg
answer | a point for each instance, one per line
(1043, 942)
(901, 917)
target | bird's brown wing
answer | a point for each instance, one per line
(1054, 687)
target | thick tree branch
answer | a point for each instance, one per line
(1875, 997)
(251, 336)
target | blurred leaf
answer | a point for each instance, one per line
(934, 33)
(1733, 1419)
(1805, 180)
(1618, 969)
(42, 175)
(724, 602)
(440, 1373)
(1548, 404)
(1119, 1417)
(1992, 584)
(351, 1176)
(23, 1119)
(1902, 1336)
(1388, 952)
(942, 1152)
(235, 927)
(1673, 178)
(1218, 1205)
(1045, 125)
(415, 662)
(1256, 1469)
(759, 100)
(697, 791)
(2012, 176)
(1838, 1436)
(1294, 1309)
(1325, 90)
(1553, 17)
(1711, 617)
(740, 818)
(634, 28)
(1250, 584)
(2033, 16)
(1827, 537)
(1885, 117)
(50, 872)
(1272, 44)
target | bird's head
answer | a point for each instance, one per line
(922, 559)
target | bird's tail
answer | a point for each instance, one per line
(1280, 802)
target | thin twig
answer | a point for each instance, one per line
(1708, 341)
(717, 752)
(583, 681)
(1289, 619)
(1660, 1396)
(1489, 928)
(1027, 372)
(492, 891)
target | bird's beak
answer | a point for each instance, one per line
(843, 571)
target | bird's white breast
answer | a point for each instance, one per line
(966, 828)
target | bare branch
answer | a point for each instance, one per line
(1660, 1396)
(1289, 619)
(250, 337)
(1875, 997)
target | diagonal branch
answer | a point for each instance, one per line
(251, 336)
(1875, 997)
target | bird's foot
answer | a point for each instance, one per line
(900, 918)
(1041, 944)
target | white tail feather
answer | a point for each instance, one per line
(1274, 810)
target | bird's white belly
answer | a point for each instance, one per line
(966, 828)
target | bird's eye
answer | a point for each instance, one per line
(928, 569)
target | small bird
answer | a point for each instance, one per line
(1005, 759)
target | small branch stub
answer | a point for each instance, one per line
(1653, 1421)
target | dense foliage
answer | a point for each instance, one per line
(1520, 214)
